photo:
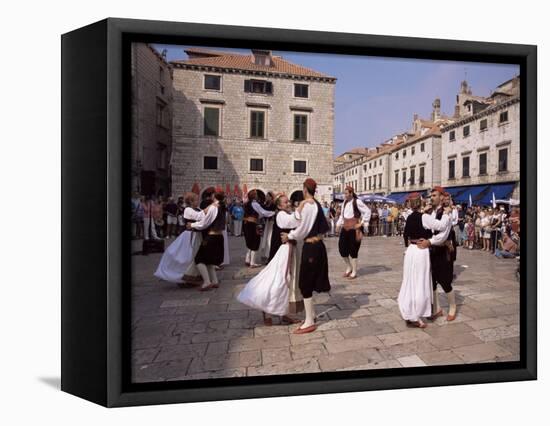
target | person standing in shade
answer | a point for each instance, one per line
(314, 262)
(211, 250)
(237, 212)
(253, 212)
(354, 221)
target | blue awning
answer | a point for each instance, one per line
(501, 190)
(473, 191)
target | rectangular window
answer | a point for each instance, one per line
(162, 116)
(466, 131)
(256, 165)
(257, 124)
(412, 150)
(421, 176)
(380, 161)
(404, 153)
(212, 82)
(397, 156)
(404, 179)
(422, 147)
(412, 176)
(300, 166)
(364, 184)
(211, 121)
(380, 180)
(370, 182)
(465, 166)
(452, 135)
(451, 169)
(210, 163)
(258, 86)
(483, 125)
(162, 158)
(503, 118)
(483, 163)
(503, 160)
(396, 179)
(301, 91)
(300, 127)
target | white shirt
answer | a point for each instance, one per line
(208, 218)
(306, 222)
(443, 225)
(347, 213)
(261, 211)
(454, 216)
(191, 214)
(287, 220)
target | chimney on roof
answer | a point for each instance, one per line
(262, 57)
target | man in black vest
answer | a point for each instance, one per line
(441, 255)
(353, 223)
(314, 261)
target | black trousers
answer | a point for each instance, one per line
(313, 269)
(251, 236)
(211, 250)
(442, 269)
(348, 244)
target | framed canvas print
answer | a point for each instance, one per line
(278, 212)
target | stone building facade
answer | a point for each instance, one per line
(151, 121)
(483, 146)
(251, 120)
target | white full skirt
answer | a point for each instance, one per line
(268, 291)
(177, 257)
(415, 296)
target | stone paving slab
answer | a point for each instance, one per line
(183, 334)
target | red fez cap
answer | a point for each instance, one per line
(439, 189)
(310, 184)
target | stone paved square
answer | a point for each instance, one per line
(180, 334)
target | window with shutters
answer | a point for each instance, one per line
(483, 125)
(412, 178)
(300, 127)
(422, 147)
(503, 118)
(451, 169)
(396, 183)
(466, 131)
(258, 86)
(301, 90)
(452, 135)
(465, 166)
(212, 82)
(503, 160)
(257, 124)
(256, 164)
(421, 175)
(483, 163)
(211, 121)
(404, 179)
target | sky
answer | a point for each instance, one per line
(376, 98)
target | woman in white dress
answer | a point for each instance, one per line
(415, 296)
(269, 291)
(176, 264)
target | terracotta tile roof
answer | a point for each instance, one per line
(245, 62)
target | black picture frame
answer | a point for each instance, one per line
(95, 179)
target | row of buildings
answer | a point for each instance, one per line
(474, 153)
(258, 121)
